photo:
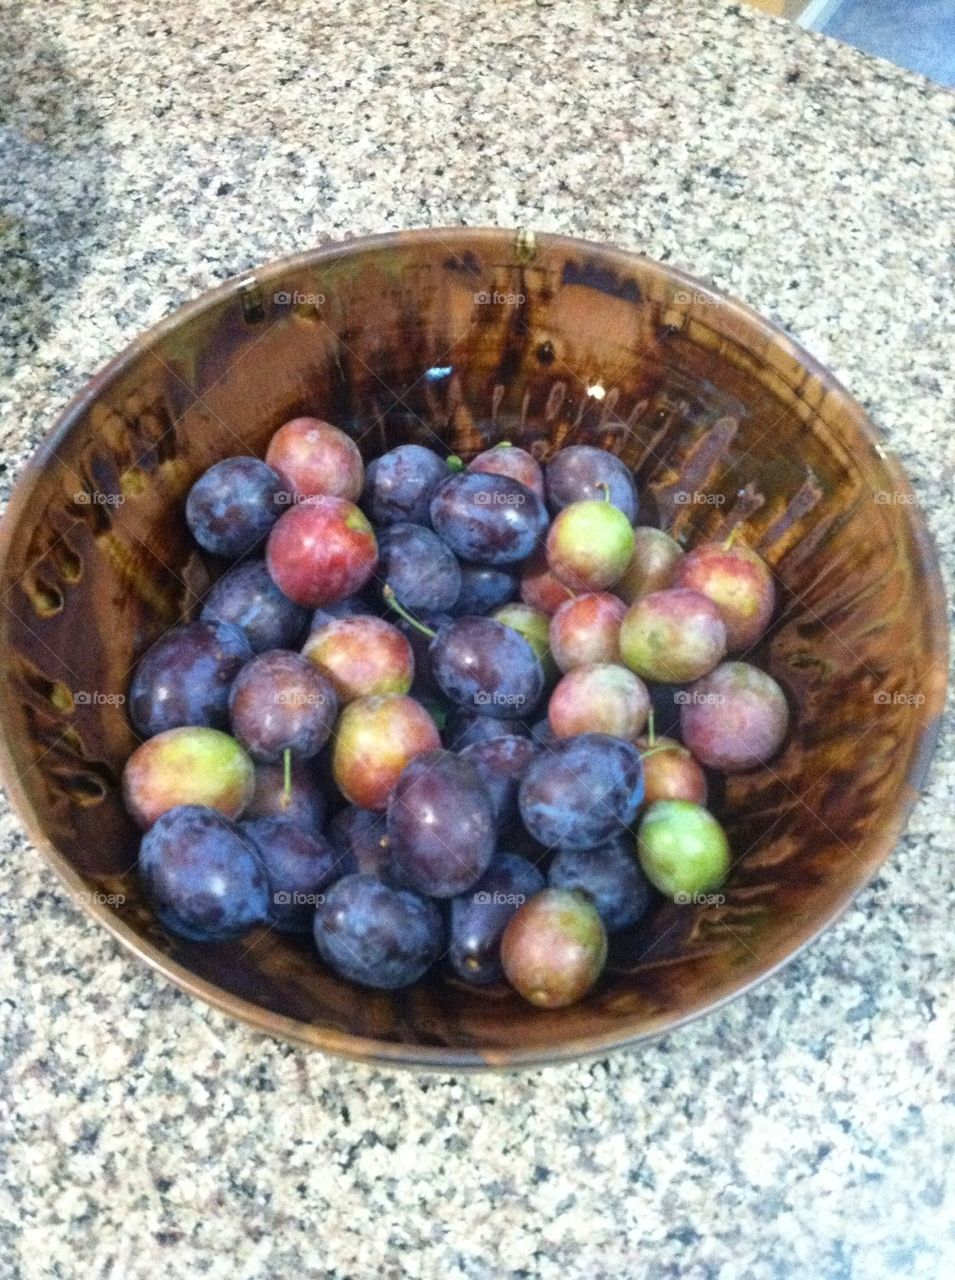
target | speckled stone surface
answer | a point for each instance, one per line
(147, 152)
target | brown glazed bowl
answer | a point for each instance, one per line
(543, 341)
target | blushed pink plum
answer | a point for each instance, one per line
(735, 719)
(599, 698)
(587, 629)
(507, 460)
(313, 458)
(739, 583)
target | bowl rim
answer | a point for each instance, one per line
(388, 1053)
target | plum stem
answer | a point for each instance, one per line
(394, 603)
(651, 728)
(606, 488)
(454, 463)
(287, 769)
(503, 444)
(733, 534)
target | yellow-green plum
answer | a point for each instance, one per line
(534, 625)
(672, 636)
(589, 545)
(191, 765)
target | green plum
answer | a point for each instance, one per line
(682, 848)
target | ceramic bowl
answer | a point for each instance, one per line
(463, 338)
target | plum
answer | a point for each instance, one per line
(321, 550)
(554, 948)
(672, 636)
(362, 657)
(375, 739)
(589, 545)
(734, 719)
(203, 875)
(682, 848)
(187, 766)
(655, 559)
(739, 583)
(601, 697)
(587, 629)
(315, 459)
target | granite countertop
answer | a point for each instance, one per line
(806, 1130)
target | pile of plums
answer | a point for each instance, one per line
(416, 717)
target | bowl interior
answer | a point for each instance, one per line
(467, 338)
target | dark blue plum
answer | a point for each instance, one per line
(542, 733)
(399, 484)
(484, 666)
(203, 875)
(186, 676)
(299, 866)
(305, 804)
(440, 825)
(610, 877)
(479, 917)
(376, 935)
(247, 598)
(488, 519)
(578, 474)
(467, 727)
(484, 587)
(281, 702)
(421, 570)
(501, 764)
(233, 505)
(580, 791)
(360, 837)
